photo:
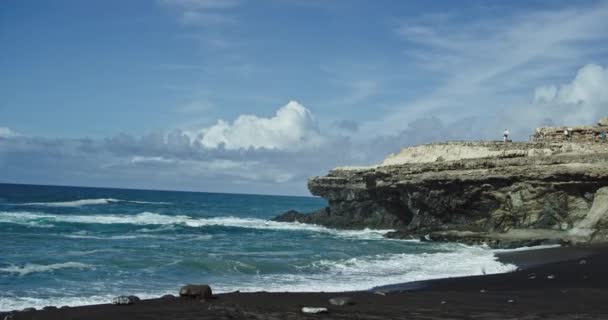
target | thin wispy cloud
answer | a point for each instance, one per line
(487, 64)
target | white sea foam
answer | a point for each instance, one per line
(545, 246)
(359, 273)
(36, 268)
(85, 202)
(19, 303)
(366, 272)
(149, 218)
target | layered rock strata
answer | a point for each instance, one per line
(502, 194)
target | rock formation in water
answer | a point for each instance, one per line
(502, 194)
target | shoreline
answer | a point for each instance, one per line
(556, 283)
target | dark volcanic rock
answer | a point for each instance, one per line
(125, 300)
(196, 291)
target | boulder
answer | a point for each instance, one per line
(341, 301)
(49, 308)
(125, 300)
(196, 291)
(168, 297)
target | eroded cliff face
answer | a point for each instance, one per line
(473, 192)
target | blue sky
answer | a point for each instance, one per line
(256, 96)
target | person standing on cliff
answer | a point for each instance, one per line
(505, 135)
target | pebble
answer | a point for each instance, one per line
(582, 261)
(482, 291)
(314, 310)
(532, 276)
(550, 276)
(380, 293)
(511, 301)
(444, 302)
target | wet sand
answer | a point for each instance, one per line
(554, 283)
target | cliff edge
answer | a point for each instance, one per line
(501, 194)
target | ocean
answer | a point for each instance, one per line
(75, 246)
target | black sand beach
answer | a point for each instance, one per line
(553, 283)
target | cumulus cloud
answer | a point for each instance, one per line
(292, 128)
(587, 93)
(6, 132)
(582, 101)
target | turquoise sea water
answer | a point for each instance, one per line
(73, 246)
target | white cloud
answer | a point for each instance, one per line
(485, 66)
(582, 101)
(202, 12)
(193, 18)
(292, 128)
(6, 132)
(200, 4)
(590, 87)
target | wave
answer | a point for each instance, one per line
(150, 218)
(349, 274)
(85, 202)
(30, 268)
(364, 273)
(19, 303)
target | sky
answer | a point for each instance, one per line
(249, 96)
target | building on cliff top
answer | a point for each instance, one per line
(575, 134)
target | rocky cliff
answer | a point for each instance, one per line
(502, 194)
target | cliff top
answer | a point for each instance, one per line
(463, 150)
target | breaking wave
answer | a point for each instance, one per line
(85, 202)
(150, 218)
(30, 268)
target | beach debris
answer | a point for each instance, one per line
(482, 291)
(443, 302)
(380, 293)
(201, 291)
(49, 308)
(532, 276)
(342, 301)
(28, 309)
(550, 276)
(511, 301)
(168, 297)
(582, 261)
(124, 300)
(314, 310)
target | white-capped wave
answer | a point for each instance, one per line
(85, 202)
(360, 273)
(35, 268)
(19, 303)
(150, 218)
(363, 273)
